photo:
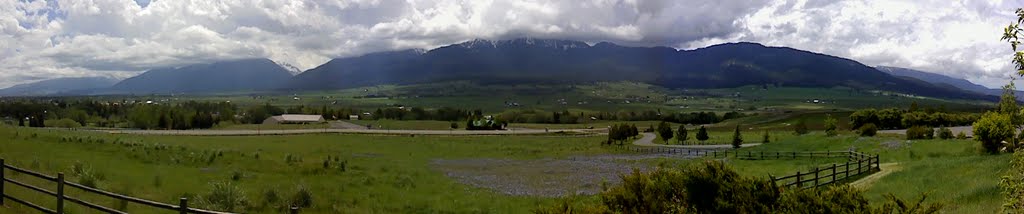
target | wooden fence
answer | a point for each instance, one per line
(856, 164)
(61, 197)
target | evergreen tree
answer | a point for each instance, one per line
(681, 134)
(664, 131)
(737, 139)
(702, 134)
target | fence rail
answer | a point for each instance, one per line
(60, 196)
(856, 164)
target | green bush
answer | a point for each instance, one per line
(713, 187)
(62, 123)
(302, 197)
(225, 196)
(831, 126)
(992, 129)
(920, 132)
(961, 136)
(945, 133)
(800, 128)
(868, 130)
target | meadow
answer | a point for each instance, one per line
(388, 174)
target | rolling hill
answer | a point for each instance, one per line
(939, 79)
(237, 75)
(58, 86)
(564, 61)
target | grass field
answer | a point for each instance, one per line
(953, 172)
(384, 174)
(397, 174)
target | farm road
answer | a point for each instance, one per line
(207, 132)
(967, 130)
(648, 140)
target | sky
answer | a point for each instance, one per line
(43, 39)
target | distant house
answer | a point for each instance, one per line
(353, 117)
(294, 119)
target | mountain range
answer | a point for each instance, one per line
(58, 86)
(943, 80)
(226, 76)
(544, 61)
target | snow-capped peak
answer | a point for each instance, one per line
(289, 67)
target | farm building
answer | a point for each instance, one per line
(294, 119)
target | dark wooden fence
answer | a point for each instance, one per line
(61, 197)
(856, 164)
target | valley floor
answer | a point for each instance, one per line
(356, 173)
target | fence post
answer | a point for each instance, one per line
(833, 172)
(294, 210)
(3, 167)
(762, 155)
(183, 206)
(794, 155)
(798, 182)
(816, 170)
(858, 166)
(878, 164)
(846, 170)
(60, 193)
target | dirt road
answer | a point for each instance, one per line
(207, 132)
(648, 140)
(967, 130)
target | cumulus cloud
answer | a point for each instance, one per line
(54, 38)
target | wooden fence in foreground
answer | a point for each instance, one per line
(60, 196)
(856, 164)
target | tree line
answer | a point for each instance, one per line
(893, 118)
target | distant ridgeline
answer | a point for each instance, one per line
(540, 61)
(529, 61)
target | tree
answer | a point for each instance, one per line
(664, 131)
(737, 139)
(702, 134)
(868, 130)
(830, 125)
(992, 129)
(800, 128)
(913, 106)
(681, 134)
(946, 134)
(767, 139)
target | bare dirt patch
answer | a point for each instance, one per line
(545, 177)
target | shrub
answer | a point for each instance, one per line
(713, 187)
(868, 130)
(920, 132)
(831, 126)
(225, 196)
(270, 196)
(961, 136)
(62, 123)
(302, 197)
(945, 133)
(991, 129)
(767, 139)
(800, 128)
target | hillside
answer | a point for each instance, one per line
(563, 61)
(58, 86)
(238, 75)
(939, 79)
